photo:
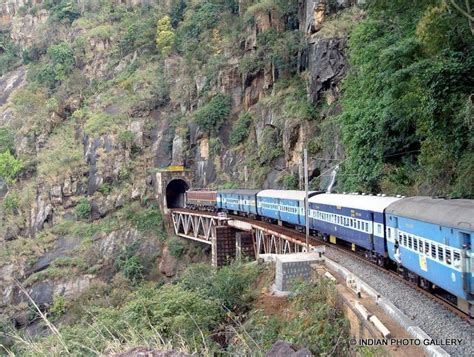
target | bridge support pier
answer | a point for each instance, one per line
(223, 245)
(244, 247)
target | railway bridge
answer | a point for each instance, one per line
(234, 237)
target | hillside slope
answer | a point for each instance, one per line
(95, 96)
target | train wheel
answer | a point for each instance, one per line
(380, 261)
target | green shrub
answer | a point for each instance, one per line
(176, 247)
(231, 284)
(290, 181)
(409, 77)
(10, 167)
(60, 65)
(314, 146)
(83, 209)
(128, 262)
(58, 308)
(271, 146)
(165, 36)
(126, 137)
(9, 57)
(65, 11)
(11, 202)
(145, 219)
(319, 325)
(211, 116)
(105, 188)
(241, 129)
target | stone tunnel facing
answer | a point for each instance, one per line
(175, 191)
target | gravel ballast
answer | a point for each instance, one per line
(438, 322)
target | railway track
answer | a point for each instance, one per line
(314, 241)
(317, 241)
(435, 297)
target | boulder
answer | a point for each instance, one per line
(285, 349)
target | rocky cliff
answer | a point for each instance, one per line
(92, 109)
(96, 96)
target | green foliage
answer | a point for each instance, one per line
(319, 323)
(60, 64)
(61, 155)
(177, 12)
(83, 209)
(145, 219)
(314, 146)
(11, 202)
(290, 181)
(231, 284)
(176, 247)
(128, 262)
(58, 308)
(241, 129)
(140, 33)
(408, 84)
(105, 188)
(165, 36)
(271, 146)
(6, 139)
(64, 11)
(9, 52)
(10, 167)
(126, 137)
(211, 116)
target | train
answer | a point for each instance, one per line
(427, 239)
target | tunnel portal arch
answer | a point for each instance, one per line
(175, 192)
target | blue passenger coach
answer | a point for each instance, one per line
(283, 205)
(243, 201)
(432, 238)
(357, 219)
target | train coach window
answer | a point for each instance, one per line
(433, 250)
(440, 253)
(415, 243)
(389, 232)
(427, 248)
(367, 227)
(456, 259)
(448, 256)
(409, 242)
(405, 240)
(420, 245)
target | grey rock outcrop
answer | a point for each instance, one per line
(327, 65)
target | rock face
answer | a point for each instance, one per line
(168, 263)
(285, 349)
(327, 66)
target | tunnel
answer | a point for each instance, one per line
(175, 193)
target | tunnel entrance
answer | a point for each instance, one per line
(175, 193)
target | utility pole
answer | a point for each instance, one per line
(246, 176)
(306, 203)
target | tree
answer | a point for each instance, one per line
(165, 36)
(9, 166)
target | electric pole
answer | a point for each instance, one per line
(306, 203)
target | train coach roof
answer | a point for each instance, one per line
(286, 194)
(453, 213)
(239, 192)
(362, 202)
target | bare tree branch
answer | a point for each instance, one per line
(461, 10)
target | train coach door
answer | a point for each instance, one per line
(467, 263)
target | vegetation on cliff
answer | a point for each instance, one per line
(407, 105)
(98, 95)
